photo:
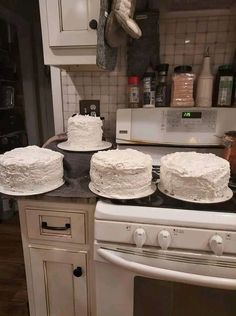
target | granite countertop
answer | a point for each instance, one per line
(76, 174)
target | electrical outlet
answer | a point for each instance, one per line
(90, 107)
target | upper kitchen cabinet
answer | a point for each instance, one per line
(69, 30)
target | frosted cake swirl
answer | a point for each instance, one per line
(194, 176)
(84, 131)
(120, 173)
(31, 169)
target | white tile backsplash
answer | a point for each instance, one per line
(182, 40)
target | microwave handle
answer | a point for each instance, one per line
(167, 275)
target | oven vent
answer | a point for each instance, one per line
(216, 262)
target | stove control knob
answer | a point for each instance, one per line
(217, 245)
(139, 237)
(164, 239)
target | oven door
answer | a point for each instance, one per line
(137, 282)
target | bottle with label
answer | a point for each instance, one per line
(161, 88)
(205, 83)
(224, 86)
(234, 67)
(149, 83)
(133, 92)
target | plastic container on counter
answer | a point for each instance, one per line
(149, 89)
(133, 92)
(182, 87)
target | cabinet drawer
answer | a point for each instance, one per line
(56, 226)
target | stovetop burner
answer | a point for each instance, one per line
(158, 199)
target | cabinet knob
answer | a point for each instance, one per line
(78, 272)
(93, 24)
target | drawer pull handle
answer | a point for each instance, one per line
(45, 226)
(78, 272)
(93, 24)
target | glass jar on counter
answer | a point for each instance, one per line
(133, 91)
(182, 87)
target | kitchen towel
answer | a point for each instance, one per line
(106, 55)
(145, 51)
(145, 5)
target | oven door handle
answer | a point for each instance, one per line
(167, 275)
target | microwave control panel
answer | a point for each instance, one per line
(199, 121)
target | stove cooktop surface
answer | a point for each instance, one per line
(159, 199)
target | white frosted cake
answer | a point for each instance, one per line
(194, 176)
(31, 169)
(121, 173)
(84, 131)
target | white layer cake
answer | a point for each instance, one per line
(194, 176)
(84, 131)
(31, 169)
(121, 173)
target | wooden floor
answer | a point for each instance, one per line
(13, 293)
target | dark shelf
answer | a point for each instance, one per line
(10, 134)
(7, 80)
(4, 50)
(6, 109)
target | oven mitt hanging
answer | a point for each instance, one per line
(106, 55)
(120, 22)
(144, 52)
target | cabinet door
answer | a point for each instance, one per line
(58, 289)
(68, 22)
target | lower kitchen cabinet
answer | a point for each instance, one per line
(59, 282)
(57, 238)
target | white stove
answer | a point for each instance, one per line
(157, 243)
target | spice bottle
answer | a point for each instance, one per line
(234, 68)
(182, 87)
(133, 92)
(149, 87)
(205, 83)
(161, 88)
(224, 86)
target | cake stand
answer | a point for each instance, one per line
(227, 196)
(66, 146)
(28, 193)
(148, 192)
